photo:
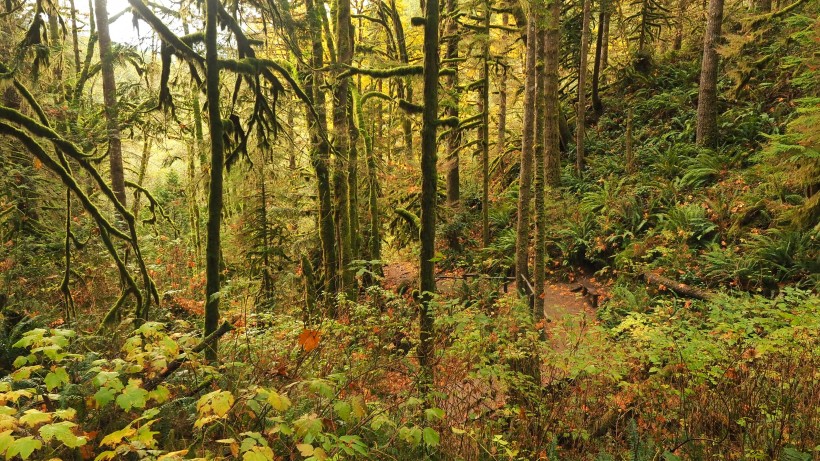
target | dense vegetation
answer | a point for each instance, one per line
(371, 230)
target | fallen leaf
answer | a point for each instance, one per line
(309, 339)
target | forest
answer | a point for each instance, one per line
(388, 230)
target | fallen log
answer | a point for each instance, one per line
(677, 287)
(177, 362)
(588, 291)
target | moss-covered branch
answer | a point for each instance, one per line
(398, 71)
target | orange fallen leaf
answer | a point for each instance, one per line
(309, 339)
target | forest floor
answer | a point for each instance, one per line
(563, 302)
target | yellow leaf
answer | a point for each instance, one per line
(305, 449)
(278, 402)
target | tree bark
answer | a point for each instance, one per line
(406, 86)
(342, 140)
(213, 244)
(582, 77)
(451, 110)
(525, 172)
(75, 43)
(110, 100)
(485, 130)
(678, 41)
(540, 147)
(553, 105)
(429, 179)
(707, 134)
(605, 47)
(597, 105)
(320, 154)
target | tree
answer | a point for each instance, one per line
(582, 104)
(429, 179)
(213, 249)
(597, 105)
(110, 98)
(707, 133)
(485, 127)
(522, 242)
(451, 108)
(552, 130)
(343, 146)
(540, 190)
(320, 153)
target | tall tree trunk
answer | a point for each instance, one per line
(707, 134)
(597, 105)
(55, 41)
(605, 47)
(501, 134)
(353, 187)
(110, 100)
(678, 41)
(341, 129)
(582, 103)
(553, 105)
(540, 147)
(406, 85)
(75, 43)
(485, 131)
(522, 243)
(213, 245)
(429, 179)
(451, 110)
(320, 154)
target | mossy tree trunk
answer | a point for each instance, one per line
(320, 154)
(522, 242)
(552, 130)
(429, 179)
(485, 129)
(213, 242)
(540, 148)
(707, 133)
(451, 108)
(342, 141)
(110, 100)
(580, 124)
(597, 105)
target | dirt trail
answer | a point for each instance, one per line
(559, 299)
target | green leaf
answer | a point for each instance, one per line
(20, 361)
(132, 396)
(343, 409)
(308, 426)
(35, 417)
(431, 437)
(104, 396)
(23, 447)
(56, 377)
(62, 431)
(434, 414)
